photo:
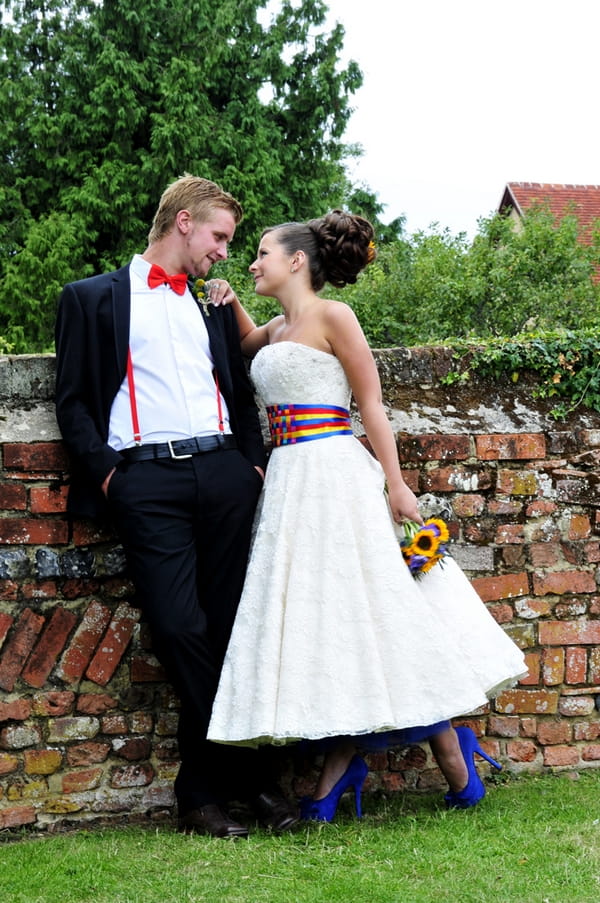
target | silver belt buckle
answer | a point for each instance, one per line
(172, 451)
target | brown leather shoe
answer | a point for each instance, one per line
(273, 811)
(210, 819)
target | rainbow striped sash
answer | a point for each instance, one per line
(291, 423)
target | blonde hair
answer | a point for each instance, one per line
(199, 196)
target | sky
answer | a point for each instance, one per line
(462, 96)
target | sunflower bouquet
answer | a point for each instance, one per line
(423, 546)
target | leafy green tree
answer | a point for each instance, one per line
(104, 103)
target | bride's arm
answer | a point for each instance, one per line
(252, 337)
(352, 350)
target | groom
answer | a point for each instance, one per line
(156, 409)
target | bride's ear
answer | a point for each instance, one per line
(297, 261)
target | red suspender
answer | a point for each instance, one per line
(137, 436)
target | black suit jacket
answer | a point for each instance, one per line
(92, 338)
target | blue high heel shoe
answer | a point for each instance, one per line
(325, 809)
(475, 790)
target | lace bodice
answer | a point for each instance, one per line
(290, 373)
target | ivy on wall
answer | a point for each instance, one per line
(566, 365)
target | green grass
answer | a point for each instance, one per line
(532, 840)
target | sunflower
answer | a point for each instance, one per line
(424, 546)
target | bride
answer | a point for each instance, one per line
(335, 640)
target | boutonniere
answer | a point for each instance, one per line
(200, 289)
(424, 545)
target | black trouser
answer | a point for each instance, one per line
(185, 527)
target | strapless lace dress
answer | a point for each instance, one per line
(333, 635)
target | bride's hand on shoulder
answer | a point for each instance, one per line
(219, 291)
(403, 503)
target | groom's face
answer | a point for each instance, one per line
(206, 242)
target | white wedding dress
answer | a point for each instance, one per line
(333, 634)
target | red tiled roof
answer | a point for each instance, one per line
(582, 201)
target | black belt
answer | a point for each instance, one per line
(178, 449)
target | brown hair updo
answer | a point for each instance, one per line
(338, 246)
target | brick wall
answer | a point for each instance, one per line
(87, 721)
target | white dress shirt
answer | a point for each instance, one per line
(172, 367)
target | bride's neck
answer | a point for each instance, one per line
(296, 304)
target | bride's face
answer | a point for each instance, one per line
(272, 267)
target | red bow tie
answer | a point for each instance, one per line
(157, 276)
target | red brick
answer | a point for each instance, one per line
(513, 557)
(132, 748)
(553, 666)
(18, 647)
(510, 446)
(503, 726)
(527, 702)
(544, 554)
(576, 706)
(533, 662)
(113, 646)
(79, 589)
(49, 647)
(411, 478)
(561, 755)
(551, 733)
(45, 590)
(132, 776)
(28, 531)
(78, 781)
(114, 724)
(560, 582)
(468, 505)
(87, 753)
(510, 533)
(393, 782)
(82, 645)
(13, 497)
(501, 587)
(540, 507)
(504, 507)
(48, 499)
(521, 750)
(591, 551)
(141, 722)
(87, 533)
(39, 456)
(96, 703)
(19, 815)
(8, 764)
(575, 665)
(569, 633)
(9, 590)
(591, 753)
(55, 703)
(531, 609)
(579, 527)
(455, 479)
(433, 447)
(502, 614)
(594, 663)
(6, 622)
(145, 669)
(15, 710)
(586, 730)
(528, 727)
